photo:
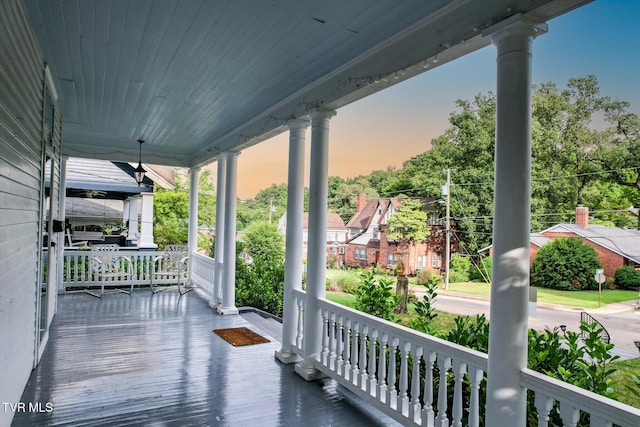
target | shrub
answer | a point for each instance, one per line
(424, 309)
(261, 283)
(565, 264)
(627, 278)
(459, 269)
(343, 281)
(374, 296)
(426, 276)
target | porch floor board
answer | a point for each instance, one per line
(153, 360)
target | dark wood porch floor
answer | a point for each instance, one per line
(150, 359)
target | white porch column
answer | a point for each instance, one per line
(146, 222)
(506, 398)
(219, 237)
(317, 252)
(293, 253)
(62, 209)
(125, 212)
(132, 227)
(229, 272)
(194, 182)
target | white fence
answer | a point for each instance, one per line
(422, 380)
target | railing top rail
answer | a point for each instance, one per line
(201, 257)
(605, 408)
(458, 352)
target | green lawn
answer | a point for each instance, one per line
(584, 299)
(623, 378)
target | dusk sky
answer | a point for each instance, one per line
(385, 129)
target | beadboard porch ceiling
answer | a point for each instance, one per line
(197, 78)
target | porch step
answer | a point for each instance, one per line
(264, 322)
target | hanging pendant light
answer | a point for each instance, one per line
(139, 171)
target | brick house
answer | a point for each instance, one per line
(616, 247)
(368, 245)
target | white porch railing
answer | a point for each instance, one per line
(203, 272)
(422, 380)
(574, 401)
(77, 271)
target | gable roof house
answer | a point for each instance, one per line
(368, 245)
(616, 247)
(200, 82)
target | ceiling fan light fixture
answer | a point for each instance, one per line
(139, 171)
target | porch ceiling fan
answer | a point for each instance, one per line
(94, 193)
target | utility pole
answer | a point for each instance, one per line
(447, 249)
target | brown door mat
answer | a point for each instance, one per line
(240, 336)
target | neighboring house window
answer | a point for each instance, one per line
(439, 260)
(434, 260)
(341, 250)
(391, 259)
(376, 233)
(360, 253)
(422, 261)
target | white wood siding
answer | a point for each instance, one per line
(21, 87)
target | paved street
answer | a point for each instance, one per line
(623, 326)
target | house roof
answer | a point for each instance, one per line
(102, 179)
(537, 239)
(363, 218)
(334, 221)
(625, 242)
(77, 207)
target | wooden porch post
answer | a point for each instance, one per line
(294, 238)
(506, 398)
(317, 253)
(228, 305)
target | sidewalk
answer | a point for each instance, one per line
(618, 307)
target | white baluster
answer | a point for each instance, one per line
(382, 376)
(427, 397)
(300, 331)
(347, 350)
(544, 405)
(324, 354)
(355, 356)
(392, 393)
(459, 369)
(444, 364)
(332, 342)
(364, 375)
(404, 378)
(569, 414)
(414, 408)
(339, 348)
(475, 377)
(371, 388)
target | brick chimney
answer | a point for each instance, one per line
(362, 201)
(582, 216)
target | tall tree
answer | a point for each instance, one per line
(407, 226)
